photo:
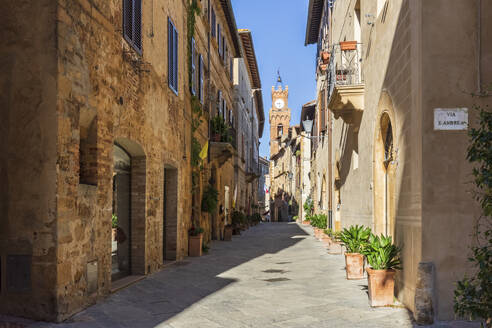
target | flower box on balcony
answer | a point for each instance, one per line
(325, 57)
(323, 67)
(348, 45)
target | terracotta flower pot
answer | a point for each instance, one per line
(335, 248)
(326, 240)
(348, 45)
(325, 57)
(195, 245)
(306, 222)
(354, 266)
(323, 67)
(227, 233)
(216, 137)
(381, 285)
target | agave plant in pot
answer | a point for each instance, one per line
(384, 258)
(355, 240)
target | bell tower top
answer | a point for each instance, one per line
(279, 115)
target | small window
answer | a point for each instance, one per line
(201, 85)
(132, 23)
(172, 50)
(280, 130)
(213, 23)
(193, 67)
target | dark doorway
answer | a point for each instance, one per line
(121, 223)
(170, 222)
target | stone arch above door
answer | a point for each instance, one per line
(384, 167)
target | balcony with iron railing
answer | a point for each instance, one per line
(223, 142)
(345, 81)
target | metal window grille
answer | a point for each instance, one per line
(132, 23)
(172, 48)
(193, 67)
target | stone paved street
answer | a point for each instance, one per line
(274, 275)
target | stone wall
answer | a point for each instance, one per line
(28, 163)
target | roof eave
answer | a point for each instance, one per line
(231, 22)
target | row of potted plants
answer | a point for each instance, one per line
(361, 245)
(220, 129)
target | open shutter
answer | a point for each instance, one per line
(193, 68)
(137, 24)
(176, 60)
(213, 23)
(200, 74)
(170, 54)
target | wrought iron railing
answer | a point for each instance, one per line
(345, 67)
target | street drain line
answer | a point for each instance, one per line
(276, 279)
(275, 271)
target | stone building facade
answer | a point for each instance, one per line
(284, 157)
(97, 119)
(390, 165)
(249, 125)
(264, 165)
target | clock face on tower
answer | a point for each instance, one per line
(279, 103)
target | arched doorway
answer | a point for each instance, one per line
(384, 176)
(128, 220)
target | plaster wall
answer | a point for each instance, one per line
(449, 75)
(391, 72)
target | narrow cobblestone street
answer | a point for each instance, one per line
(273, 275)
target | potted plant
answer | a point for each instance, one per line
(195, 241)
(210, 199)
(355, 240)
(114, 226)
(236, 221)
(325, 56)
(383, 258)
(335, 245)
(326, 237)
(348, 45)
(219, 129)
(228, 232)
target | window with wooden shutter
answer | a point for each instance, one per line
(223, 47)
(219, 38)
(322, 111)
(224, 109)
(201, 86)
(132, 23)
(213, 23)
(231, 68)
(193, 67)
(225, 53)
(219, 103)
(172, 50)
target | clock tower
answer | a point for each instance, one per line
(279, 116)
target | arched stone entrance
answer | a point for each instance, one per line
(384, 169)
(129, 194)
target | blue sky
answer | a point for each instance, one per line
(278, 28)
